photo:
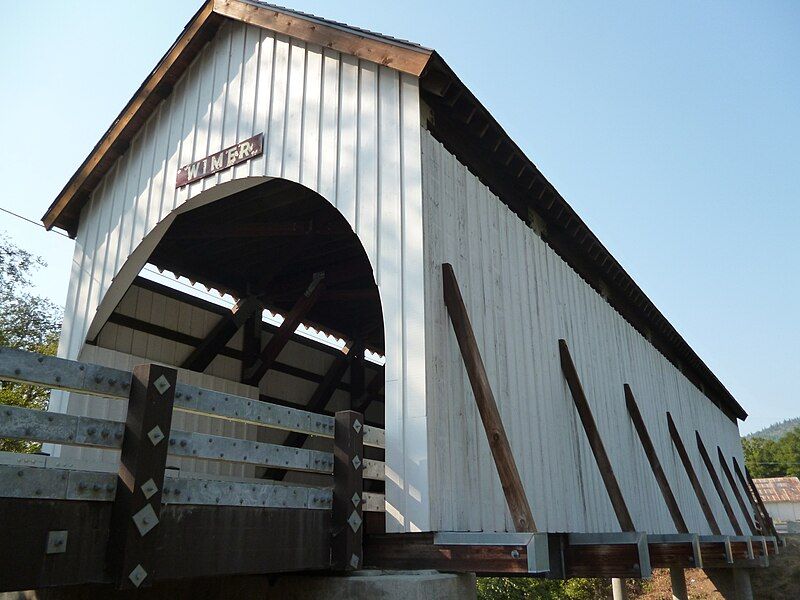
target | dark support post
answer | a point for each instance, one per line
(357, 380)
(655, 464)
(760, 501)
(717, 484)
(510, 480)
(690, 472)
(595, 441)
(133, 532)
(740, 501)
(348, 484)
(251, 343)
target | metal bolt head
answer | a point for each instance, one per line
(149, 488)
(161, 384)
(138, 575)
(515, 554)
(155, 435)
(56, 542)
(145, 519)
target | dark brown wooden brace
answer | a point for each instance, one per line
(761, 503)
(595, 441)
(655, 464)
(133, 532)
(503, 456)
(736, 493)
(348, 491)
(690, 472)
(717, 484)
(762, 523)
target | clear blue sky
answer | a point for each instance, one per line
(673, 128)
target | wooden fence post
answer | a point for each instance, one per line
(137, 504)
(348, 487)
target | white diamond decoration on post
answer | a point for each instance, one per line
(138, 575)
(356, 499)
(357, 426)
(145, 519)
(149, 488)
(354, 561)
(155, 435)
(356, 462)
(354, 521)
(161, 384)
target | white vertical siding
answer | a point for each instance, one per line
(346, 128)
(521, 299)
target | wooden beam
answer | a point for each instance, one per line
(487, 407)
(717, 484)
(760, 501)
(281, 337)
(251, 343)
(402, 57)
(595, 441)
(690, 472)
(357, 380)
(655, 463)
(221, 334)
(372, 392)
(760, 517)
(320, 398)
(134, 531)
(737, 494)
(348, 491)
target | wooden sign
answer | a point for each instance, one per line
(225, 159)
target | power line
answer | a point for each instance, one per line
(31, 221)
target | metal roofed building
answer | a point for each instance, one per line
(351, 182)
(781, 497)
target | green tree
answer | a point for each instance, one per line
(763, 458)
(28, 322)
(788, 453)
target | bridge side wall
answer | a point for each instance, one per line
(346, 128)
(522, 298)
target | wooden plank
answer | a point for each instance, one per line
(690, 472)
(320, 398)
(760, 517)
(196, 541)
(221, 334)
(134, 532)
(348, 491)
(740, 501)
(655, 463)
(717, 484)
(403, 57)
(595, 441)
(760, 501)
(281, 337)
(41, 426)
(502, 453)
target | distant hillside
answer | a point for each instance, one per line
(775, 431)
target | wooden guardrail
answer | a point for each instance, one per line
(146, 439)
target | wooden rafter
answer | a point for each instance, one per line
(372, 392)
(690, 472)
(320, 398)
(281, 337)
(510, 479)
(595, 441)
(736, 493)
(221, 334)
(655, 463)
(717, 483)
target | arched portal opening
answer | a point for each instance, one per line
(277, 248)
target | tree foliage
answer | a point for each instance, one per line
(28, 322)
(524, 588)
(773, 458)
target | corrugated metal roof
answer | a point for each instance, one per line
(779, 489)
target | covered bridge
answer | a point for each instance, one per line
(512, 384)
